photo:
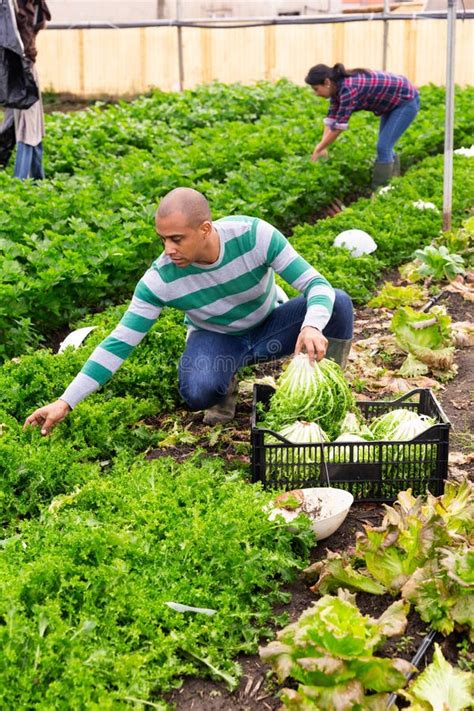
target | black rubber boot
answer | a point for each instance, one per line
(224, 411)
(381, 174)
(338, 350)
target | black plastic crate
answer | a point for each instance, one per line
(371, 471)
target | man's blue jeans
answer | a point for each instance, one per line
(211, 359)
(392, 125)
(29, 161)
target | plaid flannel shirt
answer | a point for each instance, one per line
(379, 92)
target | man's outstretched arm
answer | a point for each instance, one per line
(109, 355)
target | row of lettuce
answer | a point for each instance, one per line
(84, 589)
(422, 553)
(79, 240)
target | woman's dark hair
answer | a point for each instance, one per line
(321, 72)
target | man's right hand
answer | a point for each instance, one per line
(48, 416)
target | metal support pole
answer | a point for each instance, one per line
(180, 47)
(449, 117)
(386, 12)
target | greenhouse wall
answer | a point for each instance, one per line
(122, 62)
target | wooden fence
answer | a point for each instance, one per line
(129, 61)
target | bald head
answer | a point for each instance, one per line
(190, 203)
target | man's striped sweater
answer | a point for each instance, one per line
(233, 295)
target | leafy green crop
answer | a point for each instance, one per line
(329, 652)
(422, 550)
(34, 469)
(392, 296)
(426, 337)
(440, 686)
(89, 234)
(315, 392)
(443, 590)
(439, 263)
(83, 591)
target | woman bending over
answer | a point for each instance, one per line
(390, 96)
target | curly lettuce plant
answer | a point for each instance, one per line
(413, 533)
(330, 652)
(443, 590)
(392, 296)
(426, 338)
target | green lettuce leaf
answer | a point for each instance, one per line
(441, 687)
(439, 263)
(456, 507)
(426, 336)
(330, 652)
(336, 572)
(412, 367)
(443, 590)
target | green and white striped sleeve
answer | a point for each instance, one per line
(295, 270)
(144, 309)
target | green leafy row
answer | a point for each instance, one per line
(84, 620)
(393, 221)
(422, 550)
(79, 240)
(34, 469)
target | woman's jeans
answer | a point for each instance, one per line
(392, 125)
(211, 359)
(29, 161)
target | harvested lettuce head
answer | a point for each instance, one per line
(353, 424)
(426, 337)
(317, 393)
(441, 687)
(400, 425)
(304, 433)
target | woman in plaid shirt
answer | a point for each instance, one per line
(390, 96)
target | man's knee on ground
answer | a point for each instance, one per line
(199, 395)
(341, 322)
(344, 306)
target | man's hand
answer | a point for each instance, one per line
(312, 342)
(319, 153)
(48, 416)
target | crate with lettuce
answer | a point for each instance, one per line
(311, 431)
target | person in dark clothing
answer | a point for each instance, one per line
(31, 17)
(390, 96)
(7, 137)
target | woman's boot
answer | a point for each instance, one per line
(381, 174)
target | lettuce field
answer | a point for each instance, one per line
(96, 537)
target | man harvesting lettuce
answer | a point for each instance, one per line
(222, 275)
